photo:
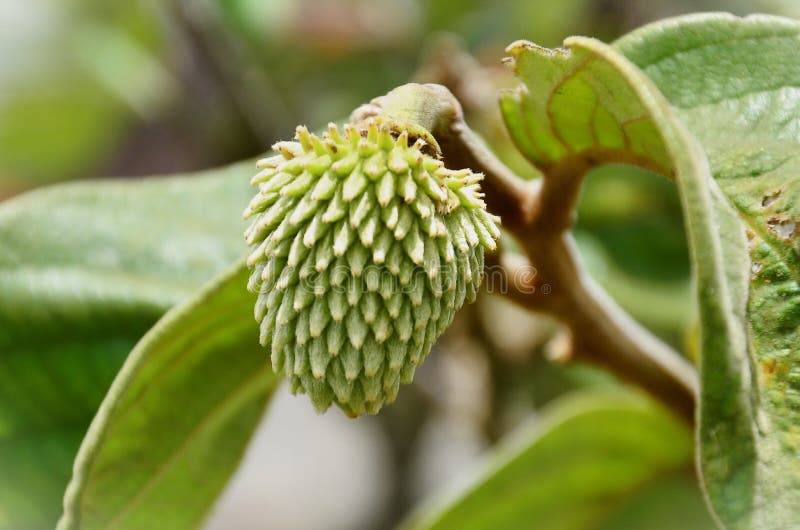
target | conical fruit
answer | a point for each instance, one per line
(363, 248)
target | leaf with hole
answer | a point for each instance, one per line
(711, 101)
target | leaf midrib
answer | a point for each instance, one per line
(194, 340)
(260, 378)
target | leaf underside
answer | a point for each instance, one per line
(85, 270)
(177, 419)
(711, 101)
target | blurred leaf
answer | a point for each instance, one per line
(637, 216)
(789, 8)
(631, 235)
(124, 68)
(68, 73)
(733, 81)
(178, 417)
(48, 134)
(498, 22)
(595, 461)
(85, 270)
(258, 18)
(670, 317)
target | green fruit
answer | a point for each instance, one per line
(363, 248)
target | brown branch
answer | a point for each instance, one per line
(540, 218)
(539, 215)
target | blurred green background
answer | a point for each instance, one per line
(96, 88)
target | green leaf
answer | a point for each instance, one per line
(590, 461)
(177, 419)
(581, 101)
(85, 270)
(733, 83)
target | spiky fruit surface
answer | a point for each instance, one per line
(363, 248)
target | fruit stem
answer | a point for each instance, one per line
(539, 215)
